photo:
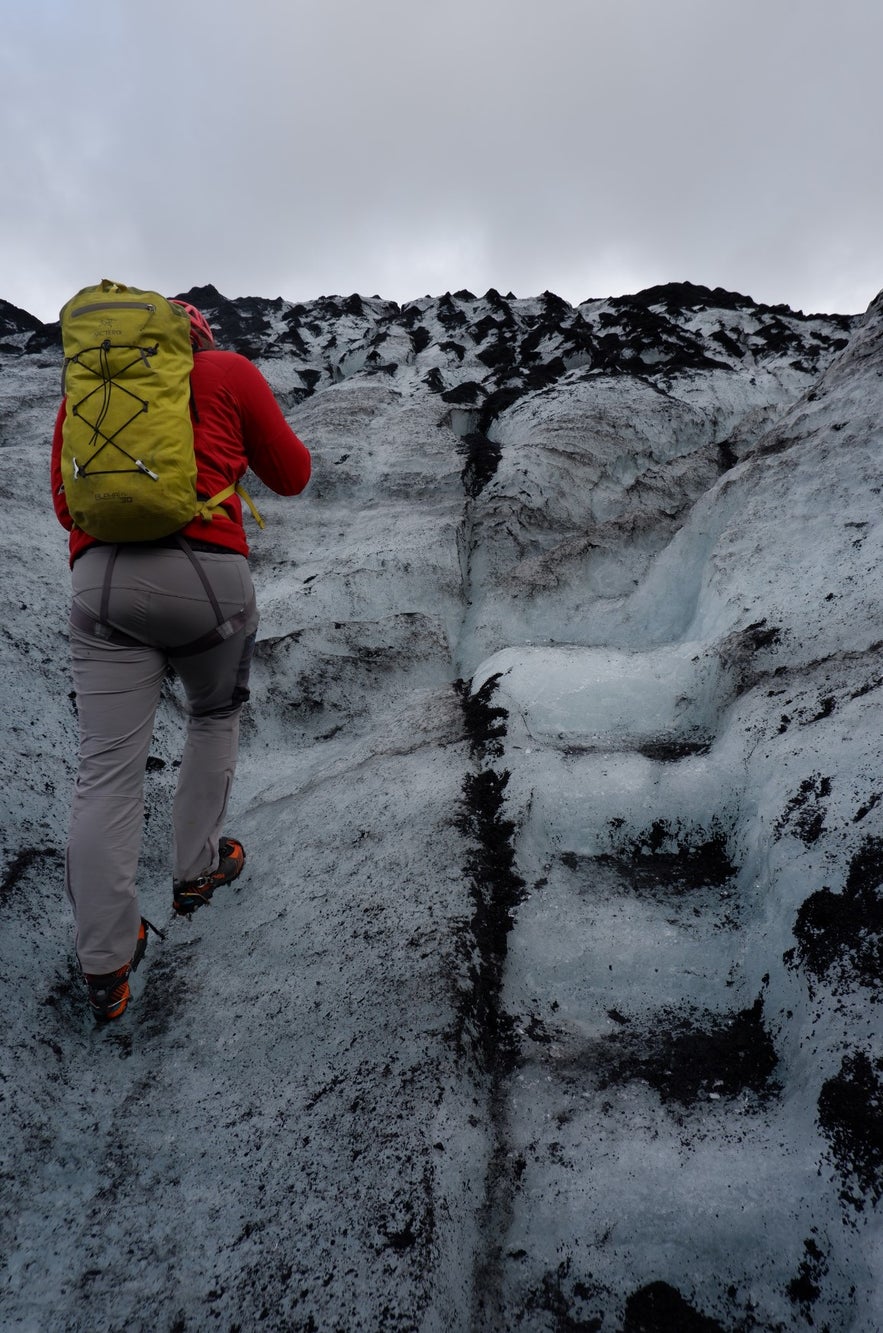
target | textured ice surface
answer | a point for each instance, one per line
(546, 1001)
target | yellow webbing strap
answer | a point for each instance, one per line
(207, 509)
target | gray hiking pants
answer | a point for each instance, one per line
(155, 602)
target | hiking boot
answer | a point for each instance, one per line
(109, 992)
(188, 894)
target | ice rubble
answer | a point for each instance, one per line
(549, 1000)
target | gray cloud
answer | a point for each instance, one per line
(587, 146)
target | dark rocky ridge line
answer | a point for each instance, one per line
(485, 352)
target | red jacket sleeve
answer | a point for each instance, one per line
(58, 500)
(239, 424)
(274, 452)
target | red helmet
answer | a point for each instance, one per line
(201, 334)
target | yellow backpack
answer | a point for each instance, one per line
(127, 461)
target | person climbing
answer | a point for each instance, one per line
(138, 607)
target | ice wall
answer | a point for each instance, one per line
(548, 998)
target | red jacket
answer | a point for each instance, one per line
(237, 424)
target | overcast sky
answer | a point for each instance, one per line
(299, 148)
